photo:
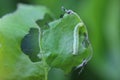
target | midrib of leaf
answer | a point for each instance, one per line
(45, 65)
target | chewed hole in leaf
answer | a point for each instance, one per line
(44, 23)
(85, 42)
(30, 44)
(84, 37)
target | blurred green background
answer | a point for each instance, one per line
(102, 18)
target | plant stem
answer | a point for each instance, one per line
(46, 74)
(43, 57)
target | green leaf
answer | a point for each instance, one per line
(65, 44)
(56, 74)
(30, 52)
(14, 64)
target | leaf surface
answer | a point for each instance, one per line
(57, 43)
(29, 51)
(14, 64)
